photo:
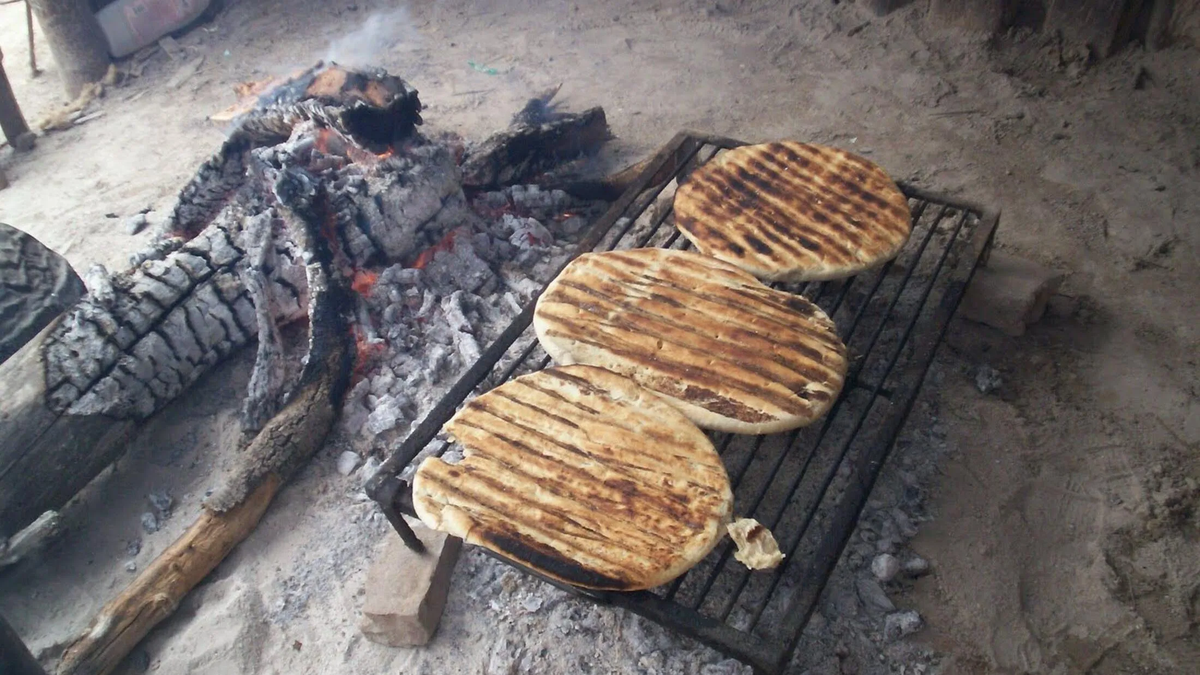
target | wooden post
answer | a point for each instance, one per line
(11, 120)
(76, 41)
(33, 69)
(15, 658)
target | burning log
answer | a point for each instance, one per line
(287, 441)
(540, 139)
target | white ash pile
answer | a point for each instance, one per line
(426, 322)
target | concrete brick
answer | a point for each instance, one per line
(1010, 293)
(406, 592)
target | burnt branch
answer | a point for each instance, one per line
(36, 285)
(526, 150)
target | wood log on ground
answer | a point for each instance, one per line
(518, 154)
(78, 45)
(45, 457)
(15, 658)
(157, 591)
(231, 514)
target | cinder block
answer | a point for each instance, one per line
(1010, 293)
(406, 591)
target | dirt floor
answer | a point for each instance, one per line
(1060, 512)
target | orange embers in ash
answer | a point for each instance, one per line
(363, 281)
(366, 354)
(446, 244)
(330, 142)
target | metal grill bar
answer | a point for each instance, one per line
(810, 484)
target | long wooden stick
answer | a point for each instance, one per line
(157, 591)
(33, 69)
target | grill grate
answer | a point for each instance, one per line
(807, 486)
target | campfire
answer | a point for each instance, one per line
(403, 254)
(434, 267)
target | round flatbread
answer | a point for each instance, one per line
(730, 352)
(582, 475)
(792, 211)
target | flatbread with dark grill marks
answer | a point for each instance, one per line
(730, 352)
(792, 211)
(582, 475)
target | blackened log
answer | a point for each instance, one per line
(76, 41)
(520, 153)
(36, 285)
(45, 457)
(15, 658)
(233, 511)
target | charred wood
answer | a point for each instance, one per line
(525, 150)
(46, 458)
(234, 510)
(36, 285)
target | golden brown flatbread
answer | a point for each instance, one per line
(728, 351)
(582, 475)
(792, 211)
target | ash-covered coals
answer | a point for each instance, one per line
(432, 317)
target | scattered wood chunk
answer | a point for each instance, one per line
(171, 46)
(406, 591)
(1010, 293)
(185, 72)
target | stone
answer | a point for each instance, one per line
(347, 462)
(872, 595)
(162, 502)
(136, 223)
(1009, 293)
(149, 522)
(406, 591)
(916, 566)
(987, 379)
(885, 567)
(902, 624)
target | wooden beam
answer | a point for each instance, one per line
(75, 39)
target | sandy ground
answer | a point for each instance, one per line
(1059, 512)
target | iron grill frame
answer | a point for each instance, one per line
(877, 404)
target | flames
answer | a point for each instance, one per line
(329, 142)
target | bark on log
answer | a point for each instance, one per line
(518, 154)
(78, 45)
(46, 458)
(15, 658)
(36, 285)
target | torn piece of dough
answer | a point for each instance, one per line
(756, 546)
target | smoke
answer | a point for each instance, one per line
(368, 45)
